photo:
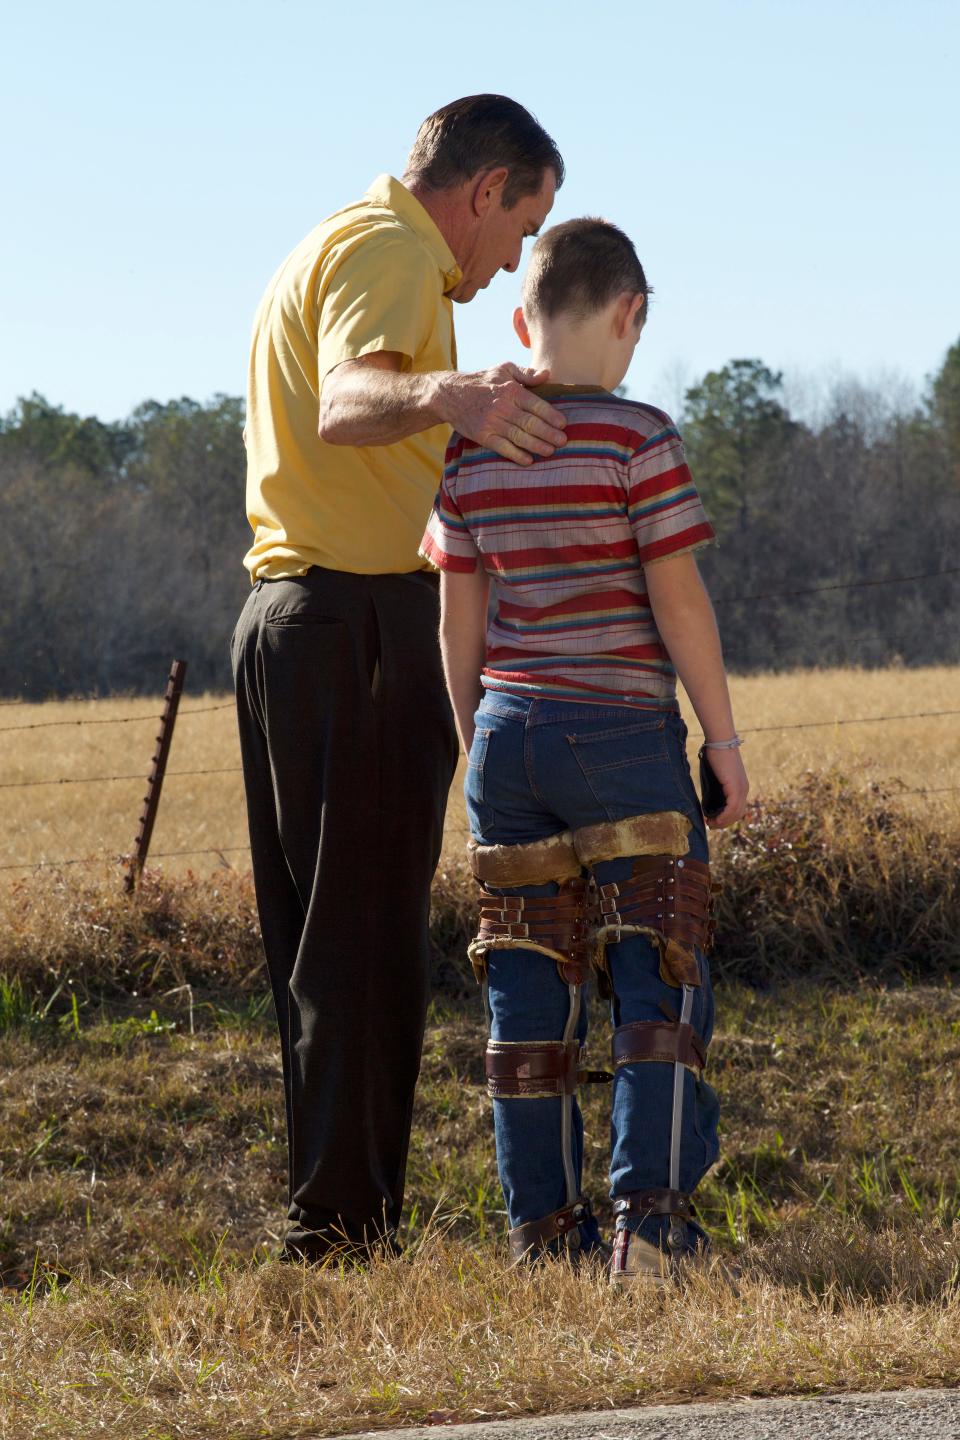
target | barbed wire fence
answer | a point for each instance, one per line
(137, 859)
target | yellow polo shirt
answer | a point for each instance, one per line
(374, 276)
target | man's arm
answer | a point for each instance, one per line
(685, 619)
(463, 629)
(369, 401)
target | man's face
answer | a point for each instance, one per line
(497, 240)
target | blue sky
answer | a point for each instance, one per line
(787, 170)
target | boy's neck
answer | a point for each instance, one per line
(562, 374)
(573, 355)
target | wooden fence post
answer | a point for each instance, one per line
(151, 800)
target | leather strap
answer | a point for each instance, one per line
(671, 896)
(561, 923)
(532, 1068)
(658, 1040)
(536, 1235)
(535, 1069)
(653, 1202)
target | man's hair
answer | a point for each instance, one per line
(479, 133)
(578, 267)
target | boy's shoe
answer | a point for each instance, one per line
(636, 1262)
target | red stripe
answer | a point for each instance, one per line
(529, 496)
(681, 541)
(652, 485)
(567, 554)
(652, 651)
(575, 604)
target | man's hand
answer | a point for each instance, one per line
(372, 401)
(496, 409)
(728, 768)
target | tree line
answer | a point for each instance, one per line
(125, 539)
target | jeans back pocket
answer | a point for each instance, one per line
(628, 768)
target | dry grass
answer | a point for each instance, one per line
(66, 821)
(277, 1352)
(207, 810)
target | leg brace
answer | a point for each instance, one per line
(541, 1069)
(535, 1237)
(669, 899)
(560, 927)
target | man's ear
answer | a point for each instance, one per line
(488, 189)
(628, 314)
(520, 325)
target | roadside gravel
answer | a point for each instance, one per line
(893, 1415)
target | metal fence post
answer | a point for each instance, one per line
(151, 800)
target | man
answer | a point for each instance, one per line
(347, 736)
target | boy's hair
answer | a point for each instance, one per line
(578, 267)
(481, 132)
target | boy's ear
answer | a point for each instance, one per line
(629, 314)
(520, 325)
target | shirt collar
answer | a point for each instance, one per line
(553, 390)
(395, 196)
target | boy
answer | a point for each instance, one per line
(589, 840)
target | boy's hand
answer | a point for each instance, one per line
(728, 768)
(496, 409)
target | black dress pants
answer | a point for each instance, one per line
(349, 749)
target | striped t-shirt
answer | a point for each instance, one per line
(565, 540)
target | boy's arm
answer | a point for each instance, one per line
(685, 619)
(463, 629)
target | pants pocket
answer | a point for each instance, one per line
(628, 769)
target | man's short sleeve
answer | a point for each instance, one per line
(382, 296)
(447, 541)
(665, 512)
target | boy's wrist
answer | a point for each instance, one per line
(733, 742)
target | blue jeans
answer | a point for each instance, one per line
(536, 768)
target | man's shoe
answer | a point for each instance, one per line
(336, 1250)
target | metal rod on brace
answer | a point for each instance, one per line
(676, 1234)
(151, 800)
(566, 1102)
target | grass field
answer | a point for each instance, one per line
(142, 1153)
(64, 821)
